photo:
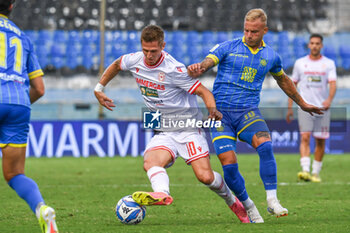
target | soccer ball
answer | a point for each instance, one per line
(129, 212)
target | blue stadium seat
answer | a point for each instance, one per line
(330, 52)
(57, 56)
(71, 61)
(283, 39)
(87, 60)
(221, 37)
(33, 35)
(91, 36)
(344, 52)
(193, 38)
(117, 36)
(237, 34)
(74, 49)
(118, 50)
(208, 37)
(269, 39)
(45, 35)
(42, 52)
(195, 53)
(74, 37)
(60, 36)
(346, 63)
(178, 38)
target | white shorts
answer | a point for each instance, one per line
(189, 145)
(318, 124)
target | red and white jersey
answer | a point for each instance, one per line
(312, 77)
(164, 86)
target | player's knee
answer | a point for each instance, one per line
(228, 157)
(305, 138)
(206, 177)
(149, 163)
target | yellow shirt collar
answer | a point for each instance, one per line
(250, 48)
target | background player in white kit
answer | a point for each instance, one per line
(165, 86)
(313, 73)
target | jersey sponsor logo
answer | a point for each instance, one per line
(150, 84)
(161, 76)
(314, 79)
(12, 77)
(314, 73)
(238, 55)
(148, 92)
(248, 74)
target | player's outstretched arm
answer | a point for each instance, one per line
(37, 89)
(287, 85)
(209, 102)
(111, 71)
(197, 69)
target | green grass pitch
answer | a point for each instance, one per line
(84, 192)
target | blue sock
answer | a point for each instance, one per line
(268, 166)
(235, 181)
(27, 189)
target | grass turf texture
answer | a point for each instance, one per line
(84, 192)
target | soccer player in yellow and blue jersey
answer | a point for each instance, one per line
(243, 64)
(21, 84)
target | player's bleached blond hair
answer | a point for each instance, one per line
(255, 14)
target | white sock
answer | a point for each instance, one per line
(305, 163)
(271, 194)
(220, 188)
(37, 209)
(159, 179)
(316, 167)
(248, 203)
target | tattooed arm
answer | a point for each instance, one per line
(287, 85)
(197, 69)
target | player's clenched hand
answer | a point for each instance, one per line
(312, 109)
(195, 70)
(215, 114)
(104, 100)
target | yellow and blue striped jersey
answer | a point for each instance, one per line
(241, 73)
(18, 64)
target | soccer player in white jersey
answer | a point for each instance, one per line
(313, 73)
(166, 87)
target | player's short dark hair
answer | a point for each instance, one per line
(152, 33)
(317, 36)
(5, 6)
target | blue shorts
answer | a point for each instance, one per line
(14, 125)
(243, 124)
